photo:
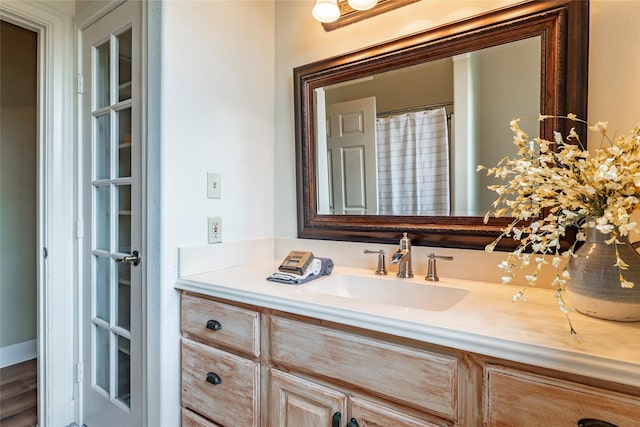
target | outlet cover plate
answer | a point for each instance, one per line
(214, 229)
(214, 185)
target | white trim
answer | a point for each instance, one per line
(56, 281)
(94, 11)
(153, 379)
(18, 353)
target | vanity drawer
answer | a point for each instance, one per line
(191, 419)
(235, 399)
(513, 397)
(221, 324)
(401, 374)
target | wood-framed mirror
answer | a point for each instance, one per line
(555, 31)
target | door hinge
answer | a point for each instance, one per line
(79, 228)
(79, 372)
(79, 83)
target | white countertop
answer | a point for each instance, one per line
(485, 321)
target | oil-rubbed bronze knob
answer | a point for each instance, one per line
(214, 325)
(213, 378)
(591, 422)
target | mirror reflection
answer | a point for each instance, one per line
(335, 205)
(408, 141)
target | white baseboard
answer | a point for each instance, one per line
(18, 353)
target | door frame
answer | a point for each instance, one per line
(56, 278)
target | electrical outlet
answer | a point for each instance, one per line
(214, 185)
(214, 229)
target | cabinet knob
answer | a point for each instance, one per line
(591, 422)
(335, 421)
(353, 423)
(214, 325)
(213, 378)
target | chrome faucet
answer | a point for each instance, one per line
(432, 273)
(381, 270)
(402, 257)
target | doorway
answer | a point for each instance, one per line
(18, 224)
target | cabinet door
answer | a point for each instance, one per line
(295, 402)
(369, 414)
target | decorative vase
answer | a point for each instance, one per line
(594, 285)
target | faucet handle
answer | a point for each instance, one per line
(381, 270)
(432, 274)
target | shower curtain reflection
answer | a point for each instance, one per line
(413, 163)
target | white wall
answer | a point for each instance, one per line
(217, 114)
(614, 89)
(614, 61)
(217, 89)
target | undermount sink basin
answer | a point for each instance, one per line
(398, 292)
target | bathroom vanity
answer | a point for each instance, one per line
(257, 353)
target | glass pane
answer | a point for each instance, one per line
(102, 146)
(123, 309)
(101, 362)
(124, 143)
(123, 386)
(124, 218)
(103, 73)
(102, 213)
(124, 65)
(102, 294)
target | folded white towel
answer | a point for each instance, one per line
(314, 270)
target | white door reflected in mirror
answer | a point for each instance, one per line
(481, 91)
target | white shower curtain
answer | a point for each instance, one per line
(413, 163)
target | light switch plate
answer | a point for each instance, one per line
(214, 229)
(214, 185)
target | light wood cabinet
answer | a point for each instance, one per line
(220, 371)
(369, 414)
(220, 386)
(513, 397)
(415, 378)
(296, 402)
(221, 325)
(276, 369)
(191, 419)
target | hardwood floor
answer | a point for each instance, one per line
(19, 395)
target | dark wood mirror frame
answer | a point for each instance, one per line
(563, 26)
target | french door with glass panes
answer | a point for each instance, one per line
(112, 275)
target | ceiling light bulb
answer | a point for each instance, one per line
(326, 10)
(362, 4)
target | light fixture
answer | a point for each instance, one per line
(362, 4)
(338, 13)
(326, 10)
